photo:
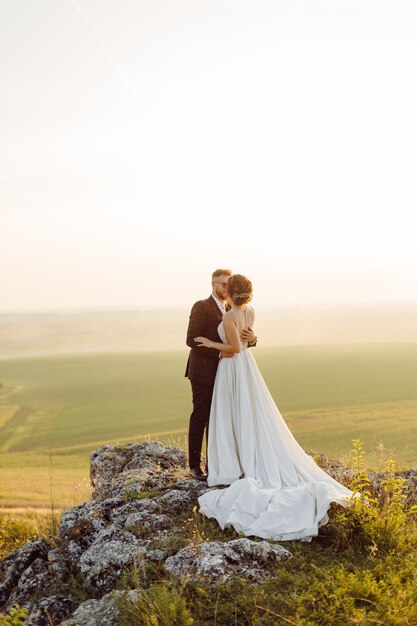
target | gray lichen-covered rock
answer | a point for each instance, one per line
(153, 463)
(176, 500)
(50, 610)
(113, 550)
(34, 578)
(217, 561)
(145, 524)
(15, 564)
(103, 612)
(29, 571)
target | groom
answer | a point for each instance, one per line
(205, 318)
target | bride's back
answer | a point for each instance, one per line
(243, 318)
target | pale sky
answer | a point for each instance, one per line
(143, 144)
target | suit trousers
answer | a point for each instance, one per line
(199, 421)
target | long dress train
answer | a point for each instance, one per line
(275, 489)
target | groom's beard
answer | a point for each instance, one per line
(220, 296)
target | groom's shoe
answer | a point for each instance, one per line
(197, 473)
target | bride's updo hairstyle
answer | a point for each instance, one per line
(239, 289)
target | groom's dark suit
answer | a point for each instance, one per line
(201, 369)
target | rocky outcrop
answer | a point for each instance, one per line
(142, 514)
(142, 500)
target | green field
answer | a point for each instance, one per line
(66, 406)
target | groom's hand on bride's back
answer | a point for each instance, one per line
(225, 355)
(248, 335)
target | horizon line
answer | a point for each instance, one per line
(148, 309)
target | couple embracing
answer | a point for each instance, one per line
(266, 485)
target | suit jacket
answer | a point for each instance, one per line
(205, 318)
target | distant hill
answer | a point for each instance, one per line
(25, 334)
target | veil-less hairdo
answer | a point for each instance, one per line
(239, 289)
(218, 273)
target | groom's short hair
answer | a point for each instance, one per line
(218, 273)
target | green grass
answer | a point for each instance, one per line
(69, 401)
(329, 395)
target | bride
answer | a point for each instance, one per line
(275, 489)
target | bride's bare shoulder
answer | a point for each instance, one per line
(229, 316)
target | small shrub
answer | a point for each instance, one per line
(13, 534)
(15, 617)
(131, 495)
(162, 604)
(141, 574)
(171, 544)
(376, 525)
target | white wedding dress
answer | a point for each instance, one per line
(275, 489)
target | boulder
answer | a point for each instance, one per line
(149, 464)
(103, 612)
(113, 550)
(217, 561)
(50, 610)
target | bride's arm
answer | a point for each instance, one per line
(232, 336)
